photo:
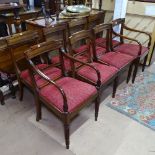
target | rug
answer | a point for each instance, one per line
(137, 100)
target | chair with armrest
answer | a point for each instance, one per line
(17, 44)
(134, 49)
(112, 57)
(59, 95)
(108, 73)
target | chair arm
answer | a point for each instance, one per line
(83, 63)
(135, 30)
(128, 38)
(37, 71)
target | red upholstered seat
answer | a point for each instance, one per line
(106, 72)
(51, 72)
(52, 95)
(131, 49)
(117, 59)
(103, 41)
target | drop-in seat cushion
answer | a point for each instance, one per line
(74, 99)
(131, 49)
(52, 72)
(106, 72)
(117, 59)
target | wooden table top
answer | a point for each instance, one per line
(22, 12)
(40, 22)
(7, 7)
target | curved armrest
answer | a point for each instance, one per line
(128, 38)
(83, 63)
(37, 71)
(130, 29)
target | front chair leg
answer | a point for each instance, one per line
(129, 73)
(116, 80)
(144, 63)
(20, 91)
(66, 132)
(97, 104)
(38, 108)
(135, 71)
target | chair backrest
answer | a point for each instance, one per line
(86, 37)
(17, 44)
(43, 49)
(76, 25)
(95, 19)
(56, 32)
(104, 31)
(119, 23)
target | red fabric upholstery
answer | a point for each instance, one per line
(117, 59)
(131, 49)
(51, 72)
(75, 97)
(103, 41)
(106, 72)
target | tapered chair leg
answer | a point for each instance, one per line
(144, 63)
(21, 91)
(115, 86)
(38, 109)
(129, 73)
(97, 104)
(135, 71)
(66, 132)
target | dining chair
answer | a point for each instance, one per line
(112, 57)
(60, 95)
(107, 72)
(135, 49)
(17, 44)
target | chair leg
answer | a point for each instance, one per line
(135, 71)
(115, 87)
(144, 63)
(129, 73)
(97, 104)
(38, 109)
(21, 91)
(66, 132)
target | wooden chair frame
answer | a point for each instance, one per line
(65, 116)
(88, 36)
(121, 21)
(109, 46)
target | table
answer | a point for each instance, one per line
(39, 23)
(7, 8)
(24, 15)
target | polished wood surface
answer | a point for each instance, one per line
(39, 24)
(24, 15)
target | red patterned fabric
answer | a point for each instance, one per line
(103, 41)
(106, 72)
(75, 97)
(131, 49)
(51, 72)
(117, 59)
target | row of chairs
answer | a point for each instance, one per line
(55, 68)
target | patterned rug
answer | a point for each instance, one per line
(137, 100)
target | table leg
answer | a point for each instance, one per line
(2, 98)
